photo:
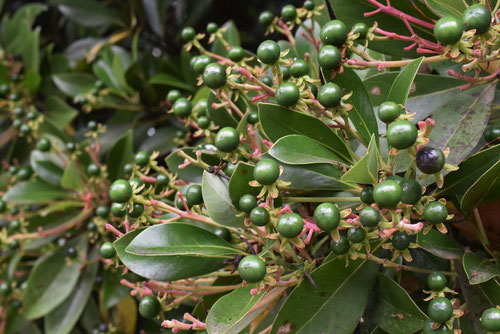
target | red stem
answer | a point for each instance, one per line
(397, 13)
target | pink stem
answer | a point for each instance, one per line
(397, 13)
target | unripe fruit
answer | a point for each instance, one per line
(212, 27)
(490, 320)
(43, 145)
(268, 52)
(369, 217)
(356, 235)
(388, 111)
(387, 194)
(289, 13)
(266, 172)
(448, 30)
(436, 281)
(188, 34)
(107, 250)
(299, 68)
(287, 94)
(361, 29)
(173, 96)
(259, 216)
(236, 53)
(227, 139)
(435, 213)
(412, 191)
(329, 57)
(200, 62)
(252, 269)
(290, 225)
(327, 216)
(247, 203)
(214, 76)
(266, 18)
(120, 191)
(182, 107)
(149, 307)
(440, 310)
(330, 95)
(402, 134)
(491, 133)
(341, 246)
(366, 195)
(194, 195)
(400, 240)
(477, 17)
(333, 33)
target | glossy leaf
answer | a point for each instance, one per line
(479, 269)
(484, 188)
(238, 184)
(112, 291)
(361, 114)
(34, 191)
(218, 202)
(62, 319)
(365, 170)
(278, 122)
(453, 8)
(403, 82)
(89, 13)
(119, 155)
(59, 111)
(170, 81)
(440, 245)
(395, 311)
(342, 293)
(220, 116)
(71, 177)
(52, 279)
(48, 166)
(230, 314)
(73, 84)
(173, 251)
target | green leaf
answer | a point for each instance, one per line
(155, 11)
(71, 178)
(342, 293)
(402, 85)
(361, 114)
(169, 80)
(440, 245)
(35, 191)
(53, 279)
(278, 122)
(484, 188)
(112, 291)
(301, 150)
(461, 121)
(218, 202)
(230, 314)
(73, 84)
(479, 269)
(238, 184)
(303, 45)
(62, 319)
(453, 8)
(88, 13)
(393, 300)
(32, 81)
(59, 111)
(231, 36)
(48, 166)
(191, 173)
(173, 251)
(220, 116)
(365, 170)
(120, 154)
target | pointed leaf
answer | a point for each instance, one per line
(119, 155)
(71, 178)
(487, 184)
(169, 80)
(73, 84)
(48, 166)
(439, 244)
(59, 111)
(238, 185)
(365, 170)
(478, 269)
(402, 85)
(35, 191)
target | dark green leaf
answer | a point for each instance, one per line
(89, 13)
(112, 291)
(73, 84)
(48, 166)
(478, 269)
(453, 8)
(231, 35)
(120, 154)
(365, 170)
(402, 85)
(59, 111)
(440, 245)
(278, 122)
(72, 178)
(170, 81)
(220, 116)
(218, 201)
(484, 188)
(190, 173)
(238, 185)
(35, 191)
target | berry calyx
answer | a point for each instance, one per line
(290, 225)
(252, 269)
(387, 194)
(448, 30)
(477, 17)
(435, 213)
(369, 217)
(402, 134)
(259, 216)
(327, 216)
(490, 320)
(333, 33)
(437, 281)
(440, 310)
(268, 52)
(388, 111)
(107, 250)
(120, 191)
(330, 95)
(266, 172)
(329, 57)
(149, 307)
(182, 107)
(287, 94)
(214, 75)
(227, 139)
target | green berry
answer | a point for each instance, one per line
(356, 235)
(180, 205)
(366, 195)
(212, 27)
(252, 117)
(92, 125)
(107, 250)
(287, 94)
(5, 289)
(266, 18)
(93, 170)
(13, 245)
(120, 191)
(136, 183)
(313, 88)
(389, 111)
(236, 53)
(32, 115)
(149, 307)
(214, 75)
(142, 158)
(400, 240)
(285, 71)
(369, 217)
(71, 252)
(308, 4)
(267, 81)
(18, 112)
(491, 133)
(435, 213)
(387, 194)
(402, 134)
(477, 17)
(173, 96)
(227, 139)
(327, 216)
(329, 57)
(162, 180)
(341, 246)
(14, 97)
(4, 89)
(266, 172)
(200, 62)
(430, 160)
(14, 225)
(412, 191)
(289, 13)
(43, 145)
(247, 203)
(440, 310)
(330, 95)
(118, 209)
(136, 210)
(490, 320)
(203, 122)
(268, 52)
(24, 173)
(223, 233)
(70, 146)
(201, 107)
(25, 129)
(290, 225)
(3, 206)
(252, 269)
(437, 281)
(299, 68)
(230, 168)
(188, 34)
(182, 107)
(333, 33)
(17, 123)
(193, 194)
(102, 211)
(448, 30)
(259, 216)
(361, 29)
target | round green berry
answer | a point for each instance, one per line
(440, 310)
(356, 235)
(327, 216)
(430, 160)
(361, 29)
(252, 117)
(329, 57)
(102, 211)
(3, 206)
(182, 107)
(490, 320)
(341, 246)
(412, 191)
(93, 170)
(477, 17)
(333, 33)
(203, 122)
(366, 195)
(247, 203)
(32, 115)
(71, 252)
(92, 125)
(149, 307)
(120, 191)
(173, 96)
(435, 213)
(287, 94)
(4, 89)
(17, 123)
(259, 216)
(214, 75)
(308, 4)
(201, 107)
(43, 144)
(491, 133)
(14, 97)
(389, 111)
(136, 210)
(369, 217)
(330, 95)
(299, 68)
(437, 281)
(448, 30)
(107, 250)
(387, 194)
(229, 169)
(227, 139)
(266, 18)
(267, 81)
(212, 27)
(266, 172)
(162, 180)
(24, 173)
(14, 225)
(285, 71)
(188, 34)
(194, 195)
(268, 52)
(25, 129)
(290, 225)
(142, 158)
(18, 112)
(288, 13)
(70, 146)
(5, 288)
(200, 62)
(402, 134)
(223, 233)
(252, 269)
(400, 240)
(236, 53)
(118, 209)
